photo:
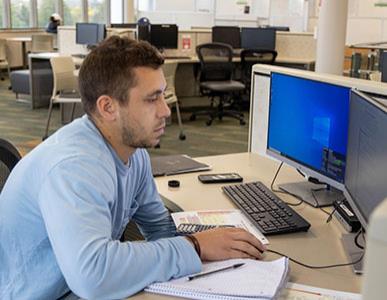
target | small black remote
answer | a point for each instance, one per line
(220, 178)
(188, 228)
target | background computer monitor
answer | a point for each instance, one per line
(308, 127)
(383, 65)
(258, 38)
(123, 25)
(230, 35)
(164, 36)
(365, 176)
(278, 28)
(89, 33)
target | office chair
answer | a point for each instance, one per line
(216, 82)
(3, 57)
(9, 157)
(65, 87)
(169, 70)
(42, 43)
(250, 57)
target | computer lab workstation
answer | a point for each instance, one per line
(316, 148)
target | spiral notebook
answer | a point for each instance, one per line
(254, 280)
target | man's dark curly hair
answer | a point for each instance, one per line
(109, 69)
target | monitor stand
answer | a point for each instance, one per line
(352, 251)
(324, 194)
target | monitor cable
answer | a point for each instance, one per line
(297, 196)
(284, 192)
(326, 266)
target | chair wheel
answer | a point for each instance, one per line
(182, 136)
(209, 122)
(192, 118)
(242, 122)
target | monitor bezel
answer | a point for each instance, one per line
(176, 31)
(262, 29)
(347, 193)
(308, 170)
(97, 26)
(234, 29)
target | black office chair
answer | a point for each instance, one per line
(9, 157)
(250, 57)
(216, 82)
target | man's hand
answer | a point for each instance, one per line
(225, 243)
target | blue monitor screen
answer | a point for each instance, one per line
(308, 123)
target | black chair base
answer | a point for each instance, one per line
(219, 114)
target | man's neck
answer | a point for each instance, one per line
(123, 151)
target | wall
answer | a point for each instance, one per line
(206, 13)
(366, 22)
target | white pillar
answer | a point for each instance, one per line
(331, 33)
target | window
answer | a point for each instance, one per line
(97, 11)
(72, 11)
(116, 12)
(1, 14)
(20, 13)
(45, 9)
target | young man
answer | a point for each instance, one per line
(66, 204)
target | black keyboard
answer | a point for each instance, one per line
(267, 211)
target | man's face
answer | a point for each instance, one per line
(142, 119)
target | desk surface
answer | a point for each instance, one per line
(279, 59)
(321, 245)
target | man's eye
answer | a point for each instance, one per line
(152, 99)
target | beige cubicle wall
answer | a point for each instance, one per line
(260, 97)
(296, 49)
(68, 46)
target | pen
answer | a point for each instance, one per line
(192, 277)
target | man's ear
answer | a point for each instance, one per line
(106, 107)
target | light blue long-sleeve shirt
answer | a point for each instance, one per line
(62, 212)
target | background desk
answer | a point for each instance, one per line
(321, 245)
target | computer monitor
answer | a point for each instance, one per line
(383, 65)
(278, 28)
(258, 38)
(164, 36)
(230, 35)
(366, 165)
(123, 25)
(89, 33)
(307, 129)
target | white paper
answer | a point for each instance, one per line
(219, 217)
(294, 291)
(255, 279)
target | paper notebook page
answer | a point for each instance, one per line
(253, 279)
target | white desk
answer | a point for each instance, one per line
(319, 246)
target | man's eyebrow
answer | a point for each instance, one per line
(154, 93)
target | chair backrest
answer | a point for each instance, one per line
(42, 43)
(250, 57)
(3, 55)
(169, 70)
(63, 68)
(215, 61)
(9, 157)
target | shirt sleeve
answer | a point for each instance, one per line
(152, 217)
(74, 202)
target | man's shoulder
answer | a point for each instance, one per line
(74, 142)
